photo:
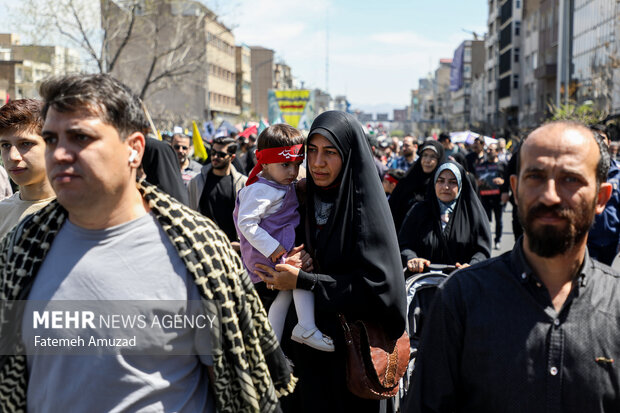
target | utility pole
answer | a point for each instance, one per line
(565, 31)
(327, 50)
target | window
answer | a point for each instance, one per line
(518, 4)
(515, 81)
(517, 28)
(516, 54)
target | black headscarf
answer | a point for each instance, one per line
(161, 166)
(358, 244)
(413, 186)
(466, 238)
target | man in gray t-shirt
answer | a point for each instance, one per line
(120, 280)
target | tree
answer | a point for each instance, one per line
(585, 113)
(165, 34)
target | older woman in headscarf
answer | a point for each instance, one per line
(349, 233)
(412, 188)
(450, 227)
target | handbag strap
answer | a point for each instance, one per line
(345, 328)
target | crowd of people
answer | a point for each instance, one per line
(289, 234)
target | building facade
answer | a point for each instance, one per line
(594, 52)
(468, 63)
(263, 69)
(180, 59)
(23, 67)
(243, 64)
(283, 78)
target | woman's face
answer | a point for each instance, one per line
(446, 187)
(429, 160)
(324, 161)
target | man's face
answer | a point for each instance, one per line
(180, 145)
(23, 154)
(220, 159)
(556, 189)
(408, 147)
(87, 163)
(492, 152)
(478, 147)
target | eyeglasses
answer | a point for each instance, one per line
(177, 147)
(219, 154)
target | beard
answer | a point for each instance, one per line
(221, 165)
(549, 240)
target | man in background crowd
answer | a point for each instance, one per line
(605, 233)
(213, 191)
(476, 156)
(409, 155)
(490, 176)
(189, 167)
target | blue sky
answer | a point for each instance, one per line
(377, 49)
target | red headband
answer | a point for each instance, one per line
(275, 155)
(390, 178)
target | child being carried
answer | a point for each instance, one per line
(266, 215)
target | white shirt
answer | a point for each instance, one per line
(256, 202)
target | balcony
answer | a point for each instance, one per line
(546, 71)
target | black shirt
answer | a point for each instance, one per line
(493, 342)
(217, 202)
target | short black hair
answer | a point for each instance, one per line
(98, 94)
(396, 173)
(226, 140)
(444, 137)
(279, 135)
(183, 136)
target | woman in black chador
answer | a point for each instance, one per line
(450, 227)
(357, 270)
(413, 187)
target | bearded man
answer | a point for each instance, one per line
(536, 329)
(213, 192)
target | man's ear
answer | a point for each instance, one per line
(136, 142)
(513, 186)
(604, 193)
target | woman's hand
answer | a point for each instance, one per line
(417, 264)
(459, 265)
(283, 277)
(298, 257)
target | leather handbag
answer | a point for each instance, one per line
(375, 364)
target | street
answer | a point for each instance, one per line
(508, 238)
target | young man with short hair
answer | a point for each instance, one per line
(214, 191)
(23, 155)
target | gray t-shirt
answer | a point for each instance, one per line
(132, 261)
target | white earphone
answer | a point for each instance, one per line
(133, 155)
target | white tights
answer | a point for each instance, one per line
(304, 306)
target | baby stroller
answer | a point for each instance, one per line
(420, 290)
